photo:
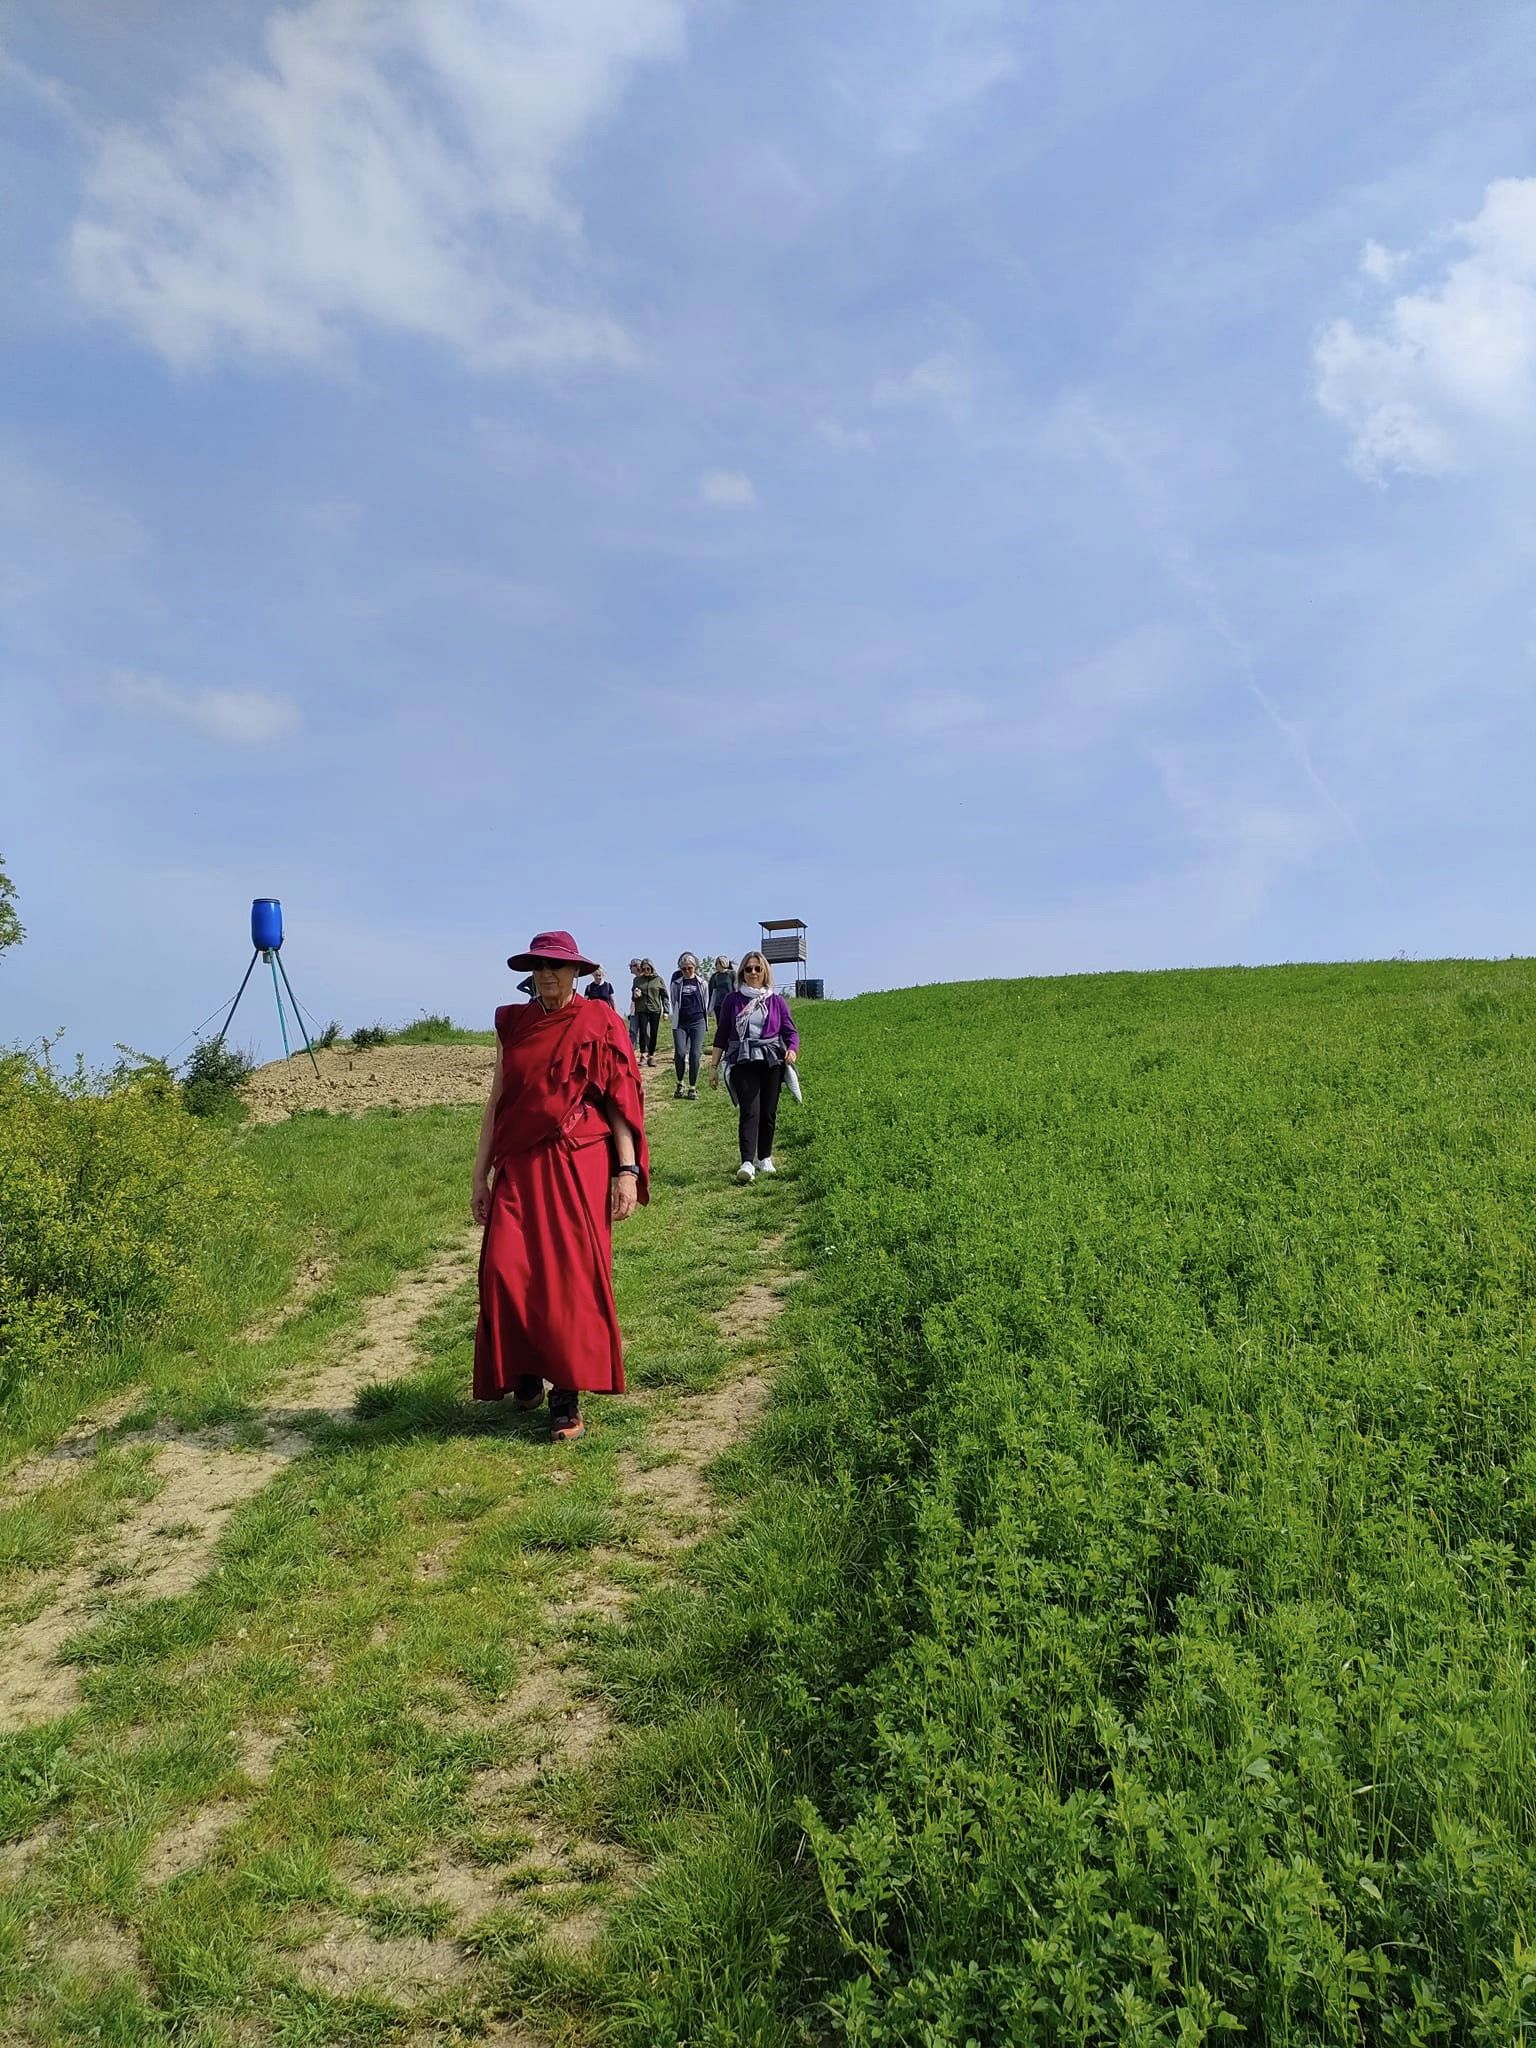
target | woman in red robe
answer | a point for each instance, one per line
(562, 1158)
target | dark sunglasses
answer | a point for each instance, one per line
(549, 966)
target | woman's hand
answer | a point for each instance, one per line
(792, 1059)
(480, 1199)
(624, 1197)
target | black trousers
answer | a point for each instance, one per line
(646, 1022)
(757, 1088)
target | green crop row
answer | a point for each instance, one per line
(1128, 1637)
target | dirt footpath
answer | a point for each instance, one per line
(389, 1077)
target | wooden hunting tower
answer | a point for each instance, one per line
(783, 945)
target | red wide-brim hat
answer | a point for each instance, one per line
(553, 946)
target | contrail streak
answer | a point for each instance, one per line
(1178, 561)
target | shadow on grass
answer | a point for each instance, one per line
(388, 1413)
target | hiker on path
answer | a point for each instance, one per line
(599, 991)
(633, 1021)
(562, 1158)
(721, 982)
(689, 996)
(755, 1039)
(650, 1000)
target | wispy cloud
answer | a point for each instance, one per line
(52, 530)
(1180, 563)
(1249, 840)
(45, 91)
(730, 489)
(942, 381)
(1443, 377)
(240, 717)
(937, 65)
(392, 165)
(939, 714)
(845, 439)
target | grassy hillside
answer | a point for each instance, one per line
(323, 1783)
(1133, 1609)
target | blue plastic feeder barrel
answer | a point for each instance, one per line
(266, 924)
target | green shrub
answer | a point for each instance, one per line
(366, 1036)
(110, 1194)
(11, 929)
(212, 1078)
(434, 1030)
(325, 1039)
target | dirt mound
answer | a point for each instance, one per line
(388, 1077)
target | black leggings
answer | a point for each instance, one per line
(757, 1088)
(646, 1022)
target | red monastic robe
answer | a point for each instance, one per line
(546, 1263)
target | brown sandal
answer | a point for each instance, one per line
(527, 1392)
(565, 1423)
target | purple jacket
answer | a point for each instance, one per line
(777, 1023)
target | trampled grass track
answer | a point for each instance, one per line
(335, 1789)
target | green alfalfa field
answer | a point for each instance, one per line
(1121, 1629)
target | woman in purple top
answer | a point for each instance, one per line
(755, 1039)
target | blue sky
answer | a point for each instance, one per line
(1024, 488)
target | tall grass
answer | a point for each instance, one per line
(1130, 1630)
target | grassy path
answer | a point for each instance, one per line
(299, 1646)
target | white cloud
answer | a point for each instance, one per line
(846, 440)
(394, 163)
(1444, 377)
(243, 717)
(942, 381)
(727, 487)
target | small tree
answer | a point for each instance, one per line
(12, 931)
(212, 1078)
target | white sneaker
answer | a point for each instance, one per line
(766, 1166)
(746, 1170)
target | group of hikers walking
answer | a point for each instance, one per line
(563, 1156)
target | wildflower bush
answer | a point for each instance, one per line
(1136, 1613)
(114, 1204)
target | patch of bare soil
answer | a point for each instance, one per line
(77, 1446)
(166, 1545)
(307, 1283)
(105, 1950)
(188, 1843)
(388, 1077)
(18, 1857)
(405, 1968)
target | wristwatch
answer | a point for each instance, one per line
(630, 1169)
